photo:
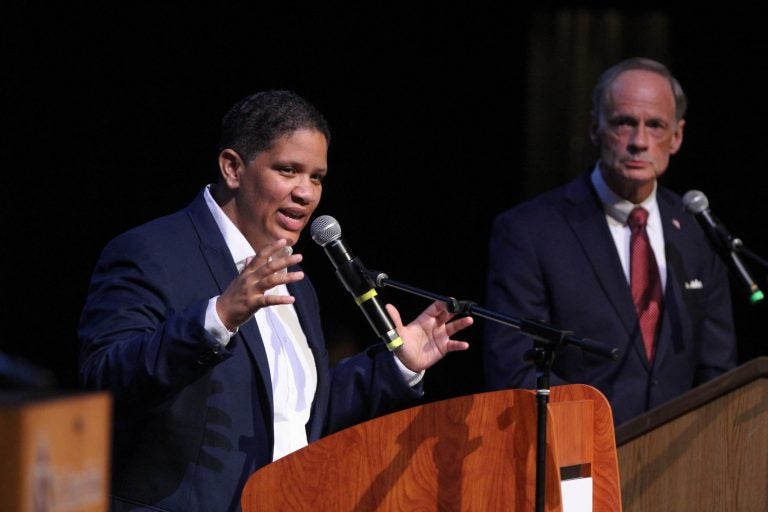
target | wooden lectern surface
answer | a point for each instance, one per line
(705, 451)
(476, 452)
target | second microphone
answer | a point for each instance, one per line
(326, 232)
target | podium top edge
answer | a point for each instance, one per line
(742, 375)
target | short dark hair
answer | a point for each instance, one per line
(610, 74)
(254, 123)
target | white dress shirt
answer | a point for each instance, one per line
(617, 212)
(291, 365)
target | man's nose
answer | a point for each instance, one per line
(638, 140)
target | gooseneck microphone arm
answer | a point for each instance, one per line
(738, 246)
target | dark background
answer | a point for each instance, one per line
(111, 119)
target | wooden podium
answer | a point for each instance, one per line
(705, 450)
(54, 451)
(476, 452)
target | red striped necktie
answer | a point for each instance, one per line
(644, 279)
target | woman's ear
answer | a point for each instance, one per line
(230, 167)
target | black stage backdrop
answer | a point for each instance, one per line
(111, 119)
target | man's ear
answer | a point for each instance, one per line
(230, 167)
(594, 127)
(677, 137)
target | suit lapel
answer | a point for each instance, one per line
(219, 260)
(585, 215)
(674, 224)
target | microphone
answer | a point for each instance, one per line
(326, 232)
(697, 204)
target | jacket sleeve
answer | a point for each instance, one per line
(366, 386)
(138, 339)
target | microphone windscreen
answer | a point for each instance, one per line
(695, 201)
(325, 229)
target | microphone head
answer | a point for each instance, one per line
(695, 201)
(325, 229)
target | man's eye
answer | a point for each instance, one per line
(624, 121)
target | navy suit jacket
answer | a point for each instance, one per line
(553, 259)
(192, 419)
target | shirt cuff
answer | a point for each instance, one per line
(411, 377)
(214, 325)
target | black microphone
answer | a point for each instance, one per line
(354, 276)
(697, 204)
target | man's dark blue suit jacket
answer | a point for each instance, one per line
(553, 259)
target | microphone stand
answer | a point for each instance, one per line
(738, 246)
(546, 340)
(730, 248)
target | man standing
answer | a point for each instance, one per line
(614, 256)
